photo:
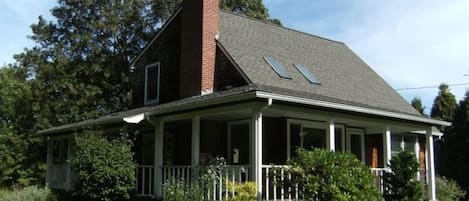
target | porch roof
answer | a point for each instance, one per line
(246, 93)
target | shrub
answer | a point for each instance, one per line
(105, 167)
(401, 183)
(448, 190)
(182, 191)
(243, 191)
(32, 193)
(327, 175)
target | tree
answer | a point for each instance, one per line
(417, 104)
(444, 104)
(453, 153)
(401, 183)
(80, 64)
(251, 8)
(16, 145)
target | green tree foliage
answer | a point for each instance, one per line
(18, 151)
(401, 183)
(417, 104)
(105, 166)
(334, 176)
(80, 64)
(444, 104)
(448, 190)
(250, 8)
(453, 154)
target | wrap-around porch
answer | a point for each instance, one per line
(257, 139)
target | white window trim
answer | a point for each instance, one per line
(156, 100)
(361, 133)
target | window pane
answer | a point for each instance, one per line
(356, 145)
(295, 130)
(338, 139)
(409, 143)
(314, 138)
(307, 74)
(277, 67)
(152, 83)
(396, 143)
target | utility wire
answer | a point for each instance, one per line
(430, 87)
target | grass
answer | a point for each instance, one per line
(32, 193)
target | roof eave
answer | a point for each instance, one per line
(351, 108)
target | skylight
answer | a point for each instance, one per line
(308, 75)
(277, 67)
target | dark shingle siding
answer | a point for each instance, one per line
(344, 76)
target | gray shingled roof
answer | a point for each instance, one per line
(344, 77)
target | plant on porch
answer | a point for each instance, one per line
(105, 166)
(327, 175)
(401, 183)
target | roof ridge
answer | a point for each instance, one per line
(279, 26)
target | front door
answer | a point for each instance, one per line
(238, 142)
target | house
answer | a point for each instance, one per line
(213, 83)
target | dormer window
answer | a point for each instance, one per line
(152, 83)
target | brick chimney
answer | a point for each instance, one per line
(198, 45)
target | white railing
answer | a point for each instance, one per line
(177, 173)
(378, 174)
(278, 184)
(145, 180)
(219, 188)
(57, 177)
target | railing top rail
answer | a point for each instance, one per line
(380, 169)
(145, 166)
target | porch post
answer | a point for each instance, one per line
(69, 166)
(430, 166)
(195, 145)
(256, 154)
(49, 160)
(387, 145)
(158, 163)
(330, 138)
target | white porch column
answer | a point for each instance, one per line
(256, 153)
(158, 163)
(387, 145)
(330, 138)
(195, 145)
(49, 160)
(430, 166)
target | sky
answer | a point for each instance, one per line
(409, 43)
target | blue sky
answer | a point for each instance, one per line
(409, 43)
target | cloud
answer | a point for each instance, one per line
(409, 43)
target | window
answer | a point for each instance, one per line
(152, 82)
(307, 74)
(356, 142)
(59, 151)
(403, 143)
(305, 134)
(277, 67)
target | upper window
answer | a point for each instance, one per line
(278, 68)
(307, 74)
(152, 82)
(403, 143)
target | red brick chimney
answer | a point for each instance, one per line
(198, 45)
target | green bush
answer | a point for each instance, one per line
(105, 167)
(32, 193)
(448, 190)
(401, 183)
(181, 191)
(243, 191)
(334, 176)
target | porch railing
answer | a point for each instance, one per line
(58, 177)
(378, 174)
(145, 180)
(278, 184)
